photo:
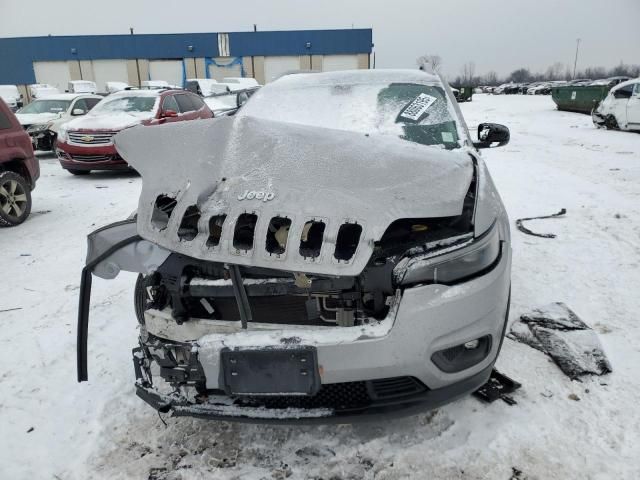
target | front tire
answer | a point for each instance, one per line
(15, 199)
(611, 123)
(78, 172)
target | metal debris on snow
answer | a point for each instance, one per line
(524, 229)
(556, 330)
(499, 386)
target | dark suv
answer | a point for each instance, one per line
(19, 169)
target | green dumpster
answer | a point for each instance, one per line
(464, 93)
(577, 98)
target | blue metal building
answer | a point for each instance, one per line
(29, 60)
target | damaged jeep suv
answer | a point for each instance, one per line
(334, 251)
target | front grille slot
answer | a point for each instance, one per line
(162, 210)
(82, 138)
(347, 241)
(245, 231)
(189, 225)
(277, 235)
(311, 239)
(215, 230)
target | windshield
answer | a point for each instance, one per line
(415, 112)
(140, 104)
(47, 106)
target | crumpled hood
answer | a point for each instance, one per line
(115, 121)
(229, 166)
(36, 118)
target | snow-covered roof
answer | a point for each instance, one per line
(624, 84)
(137, 93)
(356, 77)
(67, 96)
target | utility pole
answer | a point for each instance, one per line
(575, 63)
(137, 63)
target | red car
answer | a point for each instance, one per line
(86, 143)
(19, 169)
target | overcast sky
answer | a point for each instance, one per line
(499, 35)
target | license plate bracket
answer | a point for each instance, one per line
(270, 371)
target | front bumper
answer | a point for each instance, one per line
(42, 140)
(399, 350)
(77, 157)
(598, 118)
(222, 408)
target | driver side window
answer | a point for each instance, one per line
(80, 104)
(636, 89)
(170, 104)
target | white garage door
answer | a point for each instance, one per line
(109, 71)
(331, 63)
(168, 70)
(219, 72)
(276, 66)
(53, 73)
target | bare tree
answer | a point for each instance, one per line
(432, 61)
(554, 72)
(468, 72)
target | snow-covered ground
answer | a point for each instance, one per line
(53, 428)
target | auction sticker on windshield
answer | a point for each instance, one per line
(418, 107)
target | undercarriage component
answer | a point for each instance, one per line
(523, 229)
(499, 386)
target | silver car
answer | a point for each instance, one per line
(335, 251)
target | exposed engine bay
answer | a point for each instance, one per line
(192, 288)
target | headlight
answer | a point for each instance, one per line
(454, 265)
(62, 134)
(39, 127)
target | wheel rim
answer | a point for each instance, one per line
(13, 199)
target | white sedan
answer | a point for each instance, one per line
(621, 107)
(42, 117)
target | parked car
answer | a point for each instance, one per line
(86, 144)
(112, 87)
(499, 90)
(246, 82)
(609, 82)
(82, 86)
(43, 117)
(19, 169)
(542, 88)
(201, 86)
(41, 90)
(158, 84)
(229, 103)
(580, 82)
(335, 250)
(620, 109)
(11, 96)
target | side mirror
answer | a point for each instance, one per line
(490, 133)
(78, 111)
(242, 98)
(169, 113)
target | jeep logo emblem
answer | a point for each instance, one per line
(257, 195)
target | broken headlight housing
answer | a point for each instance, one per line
(39, 127)
(454, 263)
